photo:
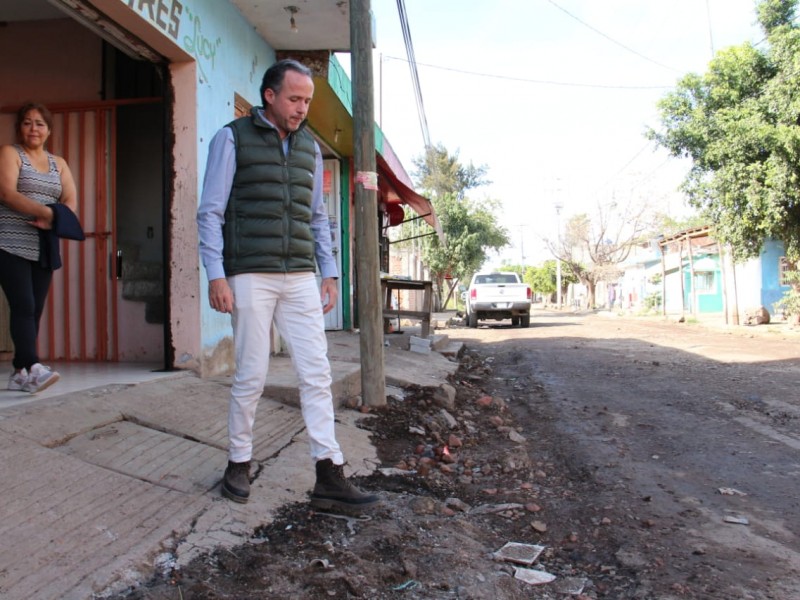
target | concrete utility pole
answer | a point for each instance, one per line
(370, 313)
(558, 207)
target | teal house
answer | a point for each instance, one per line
(699, 277)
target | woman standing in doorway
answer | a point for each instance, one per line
(30, 179)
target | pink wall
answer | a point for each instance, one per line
(55, 61)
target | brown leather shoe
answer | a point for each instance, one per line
(333, 490)
(236, 482)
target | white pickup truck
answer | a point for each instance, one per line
(498, 296)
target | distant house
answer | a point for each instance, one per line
(691, 273)
(639, 286)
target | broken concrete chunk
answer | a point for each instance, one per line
(419, 349)
(487, 509)
(390, 471)
(445, 396)
(516, 437)
(533, 576)
(448, 419)
(419, 345)
(457, 504)
(573, 586)
(539, 526)
(736, 520)
(418, 341)
(727, 491)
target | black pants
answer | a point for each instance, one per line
(25, 284)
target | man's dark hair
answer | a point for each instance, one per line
(273, 78)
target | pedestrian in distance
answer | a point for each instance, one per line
(263, 230)
(33, 183)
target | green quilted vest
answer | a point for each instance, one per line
(267, 220)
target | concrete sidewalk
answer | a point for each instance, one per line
(101, 487)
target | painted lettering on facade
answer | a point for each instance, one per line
(164, 14)
(253, 67)
(198, 45)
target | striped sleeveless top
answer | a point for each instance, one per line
(17, 235)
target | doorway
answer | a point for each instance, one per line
(108, 302)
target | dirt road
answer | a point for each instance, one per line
(691, 434)
(644, 459)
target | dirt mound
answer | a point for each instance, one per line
(460, 480)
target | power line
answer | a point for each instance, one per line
(412, 63)
(710, 30)
(625, 166)
(609, 38)
(537, 81)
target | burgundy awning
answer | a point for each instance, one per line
(396, 192)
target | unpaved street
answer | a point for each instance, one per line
(691, 433)
(644, 459)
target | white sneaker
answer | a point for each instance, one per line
(40, 378)
(17, 380)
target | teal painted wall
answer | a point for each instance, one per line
(343, 87)
(707, 300)
(231, 58)
(771, 289)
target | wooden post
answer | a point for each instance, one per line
(695, 309)
(680, 273)
(663, 280)
(724, 281)
(735, 308)
(370, 317)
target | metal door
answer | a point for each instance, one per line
(80, 318)
(332, 198)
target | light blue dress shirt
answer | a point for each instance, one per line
(217, 185)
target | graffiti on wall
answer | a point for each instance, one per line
(164, 14)
(168, 16)
(198, 45)
(253, 67)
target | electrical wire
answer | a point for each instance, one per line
(610, 39)
(412, 63)
(710, 29)
(538, 81)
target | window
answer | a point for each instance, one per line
(497, 278)
(241, 107)
(784, 268)
(704, 282)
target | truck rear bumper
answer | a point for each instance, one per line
(500, 310)
(517, 308)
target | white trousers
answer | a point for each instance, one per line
(293, 300)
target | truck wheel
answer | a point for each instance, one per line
(525, 321)
(472, 320)
(514, 321)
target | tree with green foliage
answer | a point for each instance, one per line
(470, 227)
(739, 123)
(544, 280)
(441, 173)
(470, 230)
(666, 225)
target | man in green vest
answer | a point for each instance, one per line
(263, 230)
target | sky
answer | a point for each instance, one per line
(552, 96)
